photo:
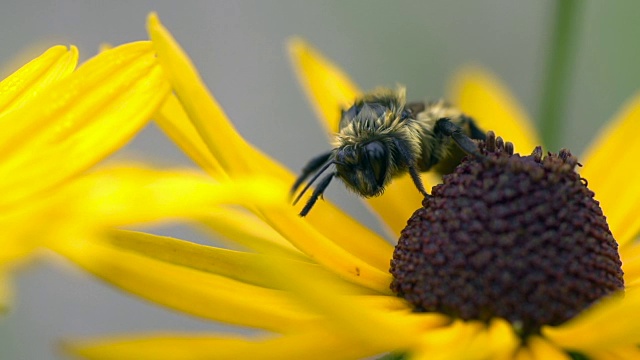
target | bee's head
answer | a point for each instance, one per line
(363, 167)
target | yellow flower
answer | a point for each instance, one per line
(56, 122)
(318, 287)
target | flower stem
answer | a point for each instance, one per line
(559, 69)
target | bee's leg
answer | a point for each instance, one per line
(411, 164)
(316, 194)
(475, 132)
(445, 127)
(415, 176)
(312, 166)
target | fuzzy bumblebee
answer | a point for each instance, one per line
(381, 137)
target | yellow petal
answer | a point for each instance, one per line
(173, 120)
(470, 340)
(481, 96)
(610, 167)
(130, 195)
(400, 200)
(345, 232)
(541, 349)
(235, 265)
(313, 344)
(326, 252)
(609, 324)
(243, 228)
(201, 106)
(451, 342)
(630, 255)
(81, 119)
(327, 85)
(356, 316)
(619, 353)
(237, 157)
(185, 289)
(28, 81)
(524, 353)
(123, 196)
(502, 341)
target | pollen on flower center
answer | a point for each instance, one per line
(510, 236)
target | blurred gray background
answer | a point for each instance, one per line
(238, 46)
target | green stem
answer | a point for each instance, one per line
(560, 64)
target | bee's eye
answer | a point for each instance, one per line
(405, 114)
(377, 156)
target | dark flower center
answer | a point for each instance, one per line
(510, 236)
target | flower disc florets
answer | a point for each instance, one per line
(510, 236)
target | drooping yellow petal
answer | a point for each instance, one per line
(481, 96)
(185, 289)
(610, 167)
(238, 157)
(609, 324)
(79, 120)
(315, 343)
(329, 87)
(28, 81)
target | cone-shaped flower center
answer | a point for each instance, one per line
(510, 236)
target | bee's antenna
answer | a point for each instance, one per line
(313, 165)
(313, 179)
(317, 193)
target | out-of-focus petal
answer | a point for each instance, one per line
(630, 255)
(330, 89)
(610, 167)
(130, 195)
(541, 349)
(27, 82)
(185, 289)
(481, 96)
(609, 324)
(315, 343)
(450, 342)
(79, 120)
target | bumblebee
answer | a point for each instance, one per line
(381, 137)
